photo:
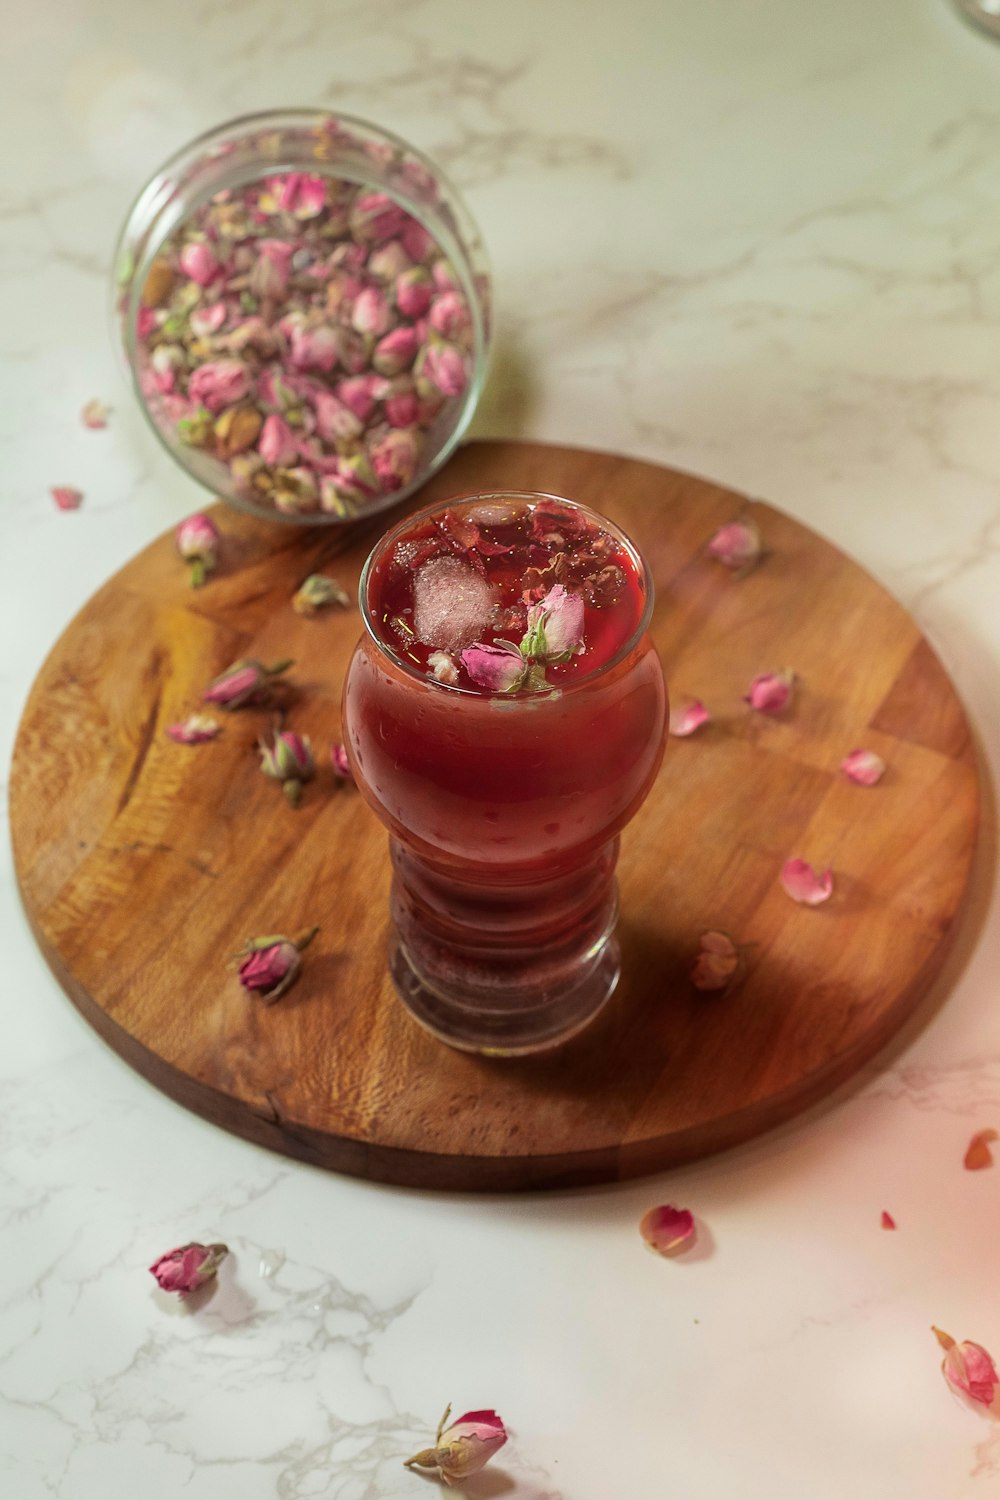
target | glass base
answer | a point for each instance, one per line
(535, 1024)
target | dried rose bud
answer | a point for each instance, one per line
(863, 767)
(771, 692)
(719, 962)
(968, 1368)
(414, 290)
(376, 217)
(668, 1230)
(197, 540)
(417, 241)
(196, 729)
(316, 593)
(555, 626)
(371, 313)
(340, 762)
(396, 352)
(402, 405)
(442, 368)
(189, 1267)
(288, 758)
(164, 363)
(270, 272)
(208, 320)
(449, 315)
(95, 414)
(335, 422)
(278, 444)
(394, 457)
(389, 261)
(464, 1447)
(198, 261)
(360, 393)
(444, 275)
(500, 669)
(221, 383)
(443, 667)
(315, 348)
(736, 546)
(804, 884)
(66, 497)
(236, 430)
(270, 965)
(246, 682)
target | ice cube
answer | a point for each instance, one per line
(452, 604)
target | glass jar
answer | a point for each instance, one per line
(303, 303)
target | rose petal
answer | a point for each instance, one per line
(736, 545)
(667, 1230)
(771, 691)
(66, 497)
(864, 767)
(196, 729)
(494, 668)
(887, 1221)
(717, 965)
(688, 716)
(95, 414)
(978, 1154)
(968, 1368)
(805, 884)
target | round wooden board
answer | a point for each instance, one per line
(143, 864)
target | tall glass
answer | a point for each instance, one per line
(504, 811)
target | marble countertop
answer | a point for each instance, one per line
(757, 242)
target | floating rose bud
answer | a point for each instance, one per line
(978, 1154)
(371, 314)
(555, 626)
(95, 415)
(463, 1448)
(443, 667)
(449, 315)
(186, 1269)
(668, 1230)
(718, 964)
(340, 762)
(864, 767)
(804, 884)
(394, 458)
(221, 383)
(246, 682)
(736, 546)
(688, 716)
(287, 757)
(197, 540)
(396, 352)
(442, 367)
(414, 290)
(498, 668)
(278, 444)
(316, 593)
(771, 692)
(196, 729)
(887, 1221)
(198, 261)
(270, 965)
(66, 497)
(968, 1368)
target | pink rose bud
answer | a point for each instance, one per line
(356, 478)
(414, 290)
(340, 762)
(736, 545)
(95, 414)
(394, 458)
(197, 540)
(198, 261)
(316, 593)
(370, 313)
(389, 261)
(164, 362)
(270, 271)
(402, 408)
(146, 320)
(719, 962)
(335, 421)
(449, 315)
(275, 390)
(353, 350)
(361, 393)
(196, 729)
(377, 217)
(66, 497)
(277, 443)
(270, 965)
(186, 1269)
(687, 717)
(334, 498)
(221, 383)
(667, 1229)
(968, 1368)
(864, 767)
(442, 367)
(771, 692)
(804, 884)
(396, 352)
(463, 1448)
(246, 682)
(555, 626)
(287, 758)
(416, 240)
(496, 668)
(298, 193)
(208, 320)
(444, 275)
(315, 348)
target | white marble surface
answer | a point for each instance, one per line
(757, 241)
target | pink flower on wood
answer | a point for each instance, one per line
(804, 884)
(771, 692)
(688, 716)
(736, 545)
(269, 966)
(340, 762)
(864, 767)
(196, 729)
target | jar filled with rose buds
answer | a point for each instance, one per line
(303, 302)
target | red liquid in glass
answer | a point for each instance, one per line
(504, 808)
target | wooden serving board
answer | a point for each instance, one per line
(144, 864)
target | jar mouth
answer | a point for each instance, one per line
(557, 690)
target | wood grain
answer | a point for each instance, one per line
(155, 861)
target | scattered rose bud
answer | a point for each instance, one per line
(245, 682)
(555, 626)
(186, 1269)
(688, 716)
(668, 1230)
(196, 729)
(968, 1368)
(464, 1447)
(270, 965)
(95, 414)
(197, 540)
(736, 546)
(804, 884)
(718, 964)
(497, 668)
(864, 767)
(316, 593)
(887, 1221)
(978, 1154)
(340, 762)
(66, 497)
(771, 692)
(443, 667)
(287, 758)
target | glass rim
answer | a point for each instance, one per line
(560, 689)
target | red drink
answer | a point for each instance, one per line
(504, 716)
